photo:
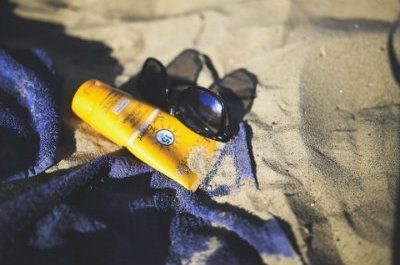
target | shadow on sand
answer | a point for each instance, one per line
(76, 60)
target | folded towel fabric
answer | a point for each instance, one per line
(28, 119)
(113, 210)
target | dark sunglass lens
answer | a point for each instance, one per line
(201, 110)
(152, 83)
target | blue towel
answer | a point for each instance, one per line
(28, 118)
(112, 210)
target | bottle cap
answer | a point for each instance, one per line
(87, 97)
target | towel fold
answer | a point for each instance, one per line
(28, 117)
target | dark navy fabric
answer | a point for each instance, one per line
(114, 210)
(29, 125)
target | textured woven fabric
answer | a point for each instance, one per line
(113, 210)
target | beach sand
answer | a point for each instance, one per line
(325, 120)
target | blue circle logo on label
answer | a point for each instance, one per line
(165, 137)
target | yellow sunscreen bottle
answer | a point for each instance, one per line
(155, 137)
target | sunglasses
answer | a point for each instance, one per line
(202, 110)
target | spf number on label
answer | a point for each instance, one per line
(165, 137)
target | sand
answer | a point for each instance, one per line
(325, 121)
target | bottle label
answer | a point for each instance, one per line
(142, 128)
(120, 106)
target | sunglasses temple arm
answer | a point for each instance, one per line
(210, 66)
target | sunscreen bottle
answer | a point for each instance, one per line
(155, 137)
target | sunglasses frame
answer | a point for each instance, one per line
(224, 133)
